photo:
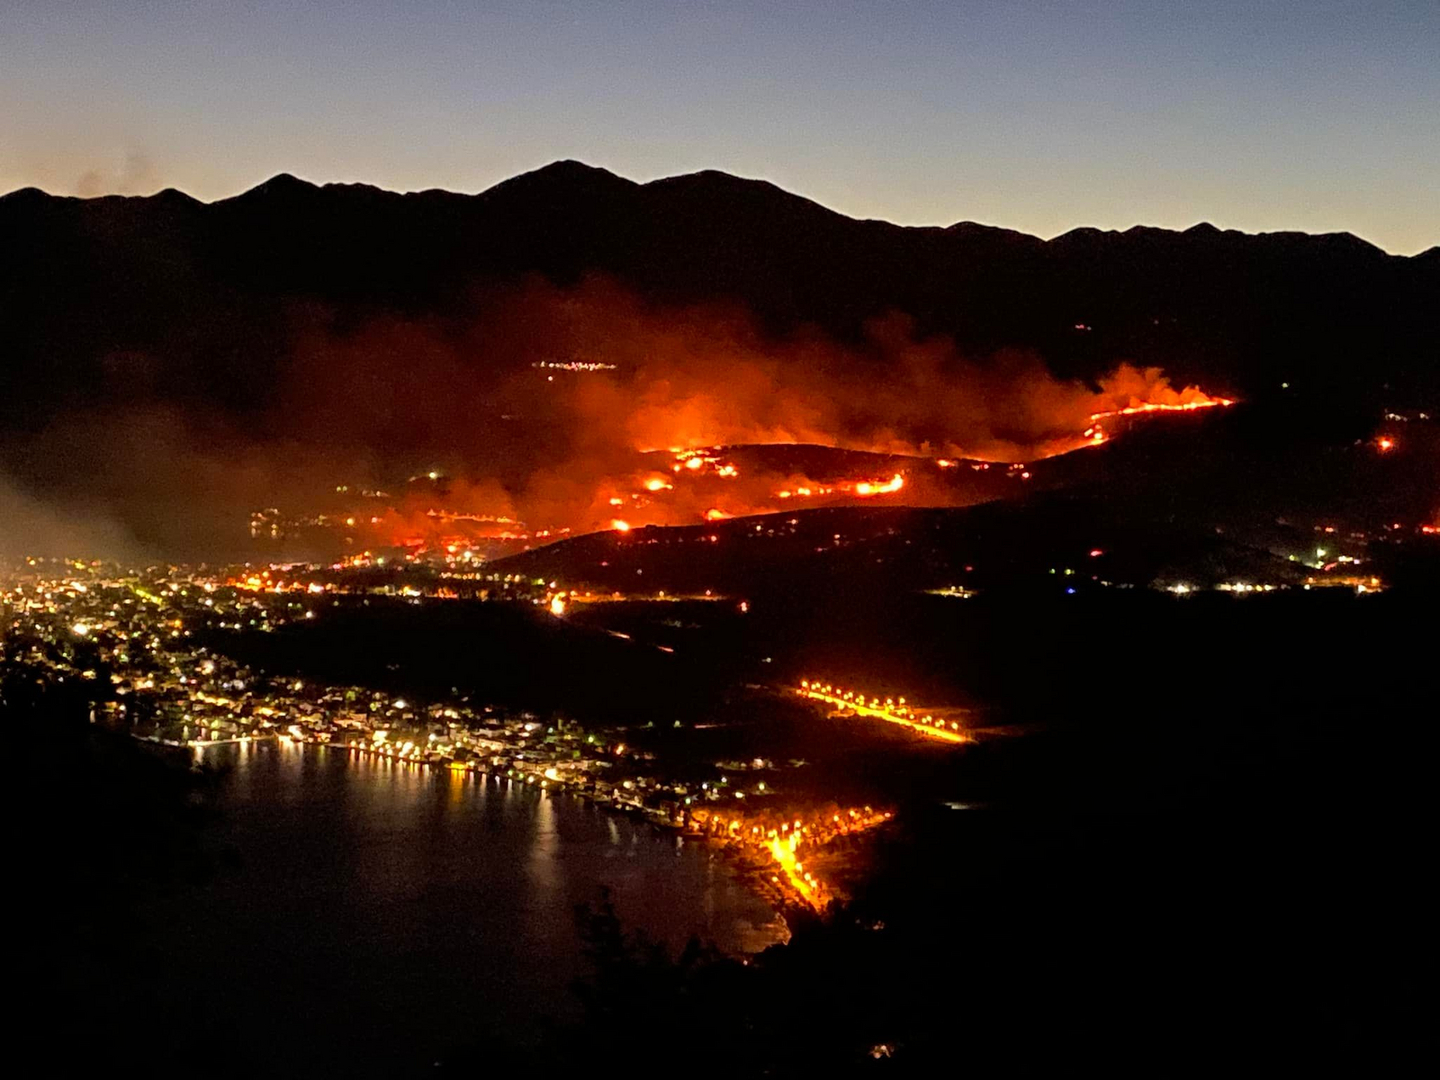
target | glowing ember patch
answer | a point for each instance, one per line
(1385, 444)
(896, 483)
(620, 526)
(879, 487)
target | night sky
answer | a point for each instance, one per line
(1254, 115)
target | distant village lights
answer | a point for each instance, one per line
(573, 365)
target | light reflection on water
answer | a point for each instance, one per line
(370, 890)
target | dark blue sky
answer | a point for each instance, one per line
(1039, 116)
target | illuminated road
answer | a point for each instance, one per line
(889, 710)
(783, 852)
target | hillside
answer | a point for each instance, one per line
(174, 296)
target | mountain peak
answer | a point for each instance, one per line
(567, 168)
(285, 180)
(281, 185)
(175, 197)
(25, 194)
(739, 195)
(563, 176)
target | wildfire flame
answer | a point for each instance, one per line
(693, 386)
(1190, 399)
(875, 487)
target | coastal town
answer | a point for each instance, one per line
(136, 641)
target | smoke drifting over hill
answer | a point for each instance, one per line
(537, 407)
(30, 526)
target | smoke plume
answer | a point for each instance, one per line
(541, 408)
(137, 175)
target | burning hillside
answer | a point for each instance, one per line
(635, 416)
(439, 516)
(562, 411)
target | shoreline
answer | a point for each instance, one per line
(749, 873)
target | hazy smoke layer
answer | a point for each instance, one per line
(136, 176)
(537, 407)
(29, 526)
